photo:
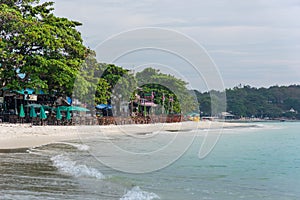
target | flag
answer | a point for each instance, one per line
(163, 104)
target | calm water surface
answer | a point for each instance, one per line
(247, 163)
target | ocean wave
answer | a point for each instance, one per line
(137, 194)
(66, 165)
(80, 147)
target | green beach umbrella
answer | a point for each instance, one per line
(32, 112)
(58, 114)
(61, 108)
(80, 109)
(68, 117)
(42, 113)
(22, 113)
(72, 108)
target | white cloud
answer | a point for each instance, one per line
(257, 35)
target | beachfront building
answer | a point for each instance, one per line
(226, 116)
(142, 104)
(142, 107)
(11, 102)
(292, 110)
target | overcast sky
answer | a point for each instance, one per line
(253, 42)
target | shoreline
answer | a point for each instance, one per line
(15, 138)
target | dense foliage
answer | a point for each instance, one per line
(273, 102)
(107, 83)
(89, 87)
(121, 85)
(44, 52)
(38, 50)
(167, 90)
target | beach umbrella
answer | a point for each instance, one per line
(60, 108)
(72, 108)
(63, 108)
(58, 114)
(103, 106)
(68, 116)
(42, 113)
(35, 105)
(22, 113)
(77, 108)
(32, 112)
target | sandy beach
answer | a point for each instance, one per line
(22, 136)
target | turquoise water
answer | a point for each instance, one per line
(247, 163)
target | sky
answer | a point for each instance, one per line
(253, 43)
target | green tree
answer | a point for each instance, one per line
(99, 83)
(121, 85)
(273, 102)
(38, 49)
(152, 80)
(112, 74)
(89, 87)
(102, 94)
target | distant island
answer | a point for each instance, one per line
(275, 102)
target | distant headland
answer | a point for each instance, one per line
(246, 102)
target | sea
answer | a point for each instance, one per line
(257, 162)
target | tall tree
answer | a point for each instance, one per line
(176, 96)
(121, 82)
(38, 49)
(89, 87)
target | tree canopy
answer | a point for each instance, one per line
(44, 52)
(168, 90)
(38, 49)
(247, 101)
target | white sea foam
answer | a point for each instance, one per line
(80, 147)
(137, 194)
(66, 165)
